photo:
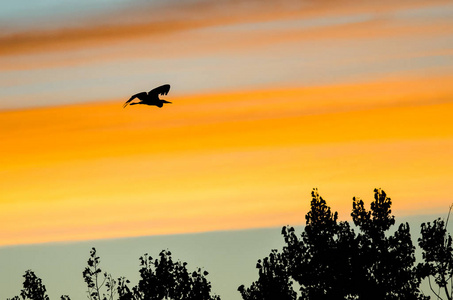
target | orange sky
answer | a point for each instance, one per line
(223, 161)
(270, 99)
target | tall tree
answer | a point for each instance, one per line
(385, 262)
(437, 252)
(320, 261)
(330, 261)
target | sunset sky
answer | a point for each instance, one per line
(270, 99)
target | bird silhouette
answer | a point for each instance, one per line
(150, 98)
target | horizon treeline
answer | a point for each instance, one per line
(328, 260)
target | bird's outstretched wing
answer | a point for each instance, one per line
(140, 96)
(161, 90)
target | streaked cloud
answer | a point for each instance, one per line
(158, 21)
(271, 99)
(228, 45)
(222, 161)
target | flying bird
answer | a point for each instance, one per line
(151, 98)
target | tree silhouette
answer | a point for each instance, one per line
(437, 251)
(330, 261)
(385, 263)
(95, 284)
(320, 261)
(273, 282)
(164, 278)
(34, 289)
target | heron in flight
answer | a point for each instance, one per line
(151, 98)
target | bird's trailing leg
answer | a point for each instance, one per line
(161, 103)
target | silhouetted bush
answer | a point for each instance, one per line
(34, 289)
(161, 278)
(164, 278)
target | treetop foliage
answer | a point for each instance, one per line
(327, 260)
